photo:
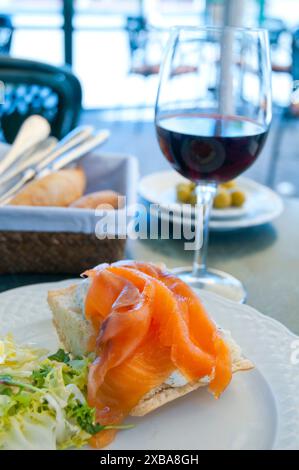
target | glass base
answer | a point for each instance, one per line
(214, 281)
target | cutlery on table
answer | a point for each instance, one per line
(46, 151)
(77, 136)
(57, 160)
(29, 159)
(34, 130)
(64, 158)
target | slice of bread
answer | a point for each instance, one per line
(74, 333)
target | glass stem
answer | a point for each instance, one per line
(205, 195)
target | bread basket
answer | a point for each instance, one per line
(63, 240)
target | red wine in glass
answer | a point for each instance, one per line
(212, 123)
(210, 147)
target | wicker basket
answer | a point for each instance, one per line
(60, 240)
(44, 252)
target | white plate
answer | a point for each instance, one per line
(259, 410)
(160, 188)
(263, 205)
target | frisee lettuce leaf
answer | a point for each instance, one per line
(43, 399)
(60, 356)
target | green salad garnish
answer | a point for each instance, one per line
(43, 399)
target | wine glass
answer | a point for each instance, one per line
(212, 121)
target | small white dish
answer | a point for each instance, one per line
(262, 206)
(160, 188)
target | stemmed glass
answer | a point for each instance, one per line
(213, 120)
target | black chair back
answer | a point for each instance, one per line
(6, 33)
(36, 88)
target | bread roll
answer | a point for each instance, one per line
(60, 189)
(100, 199)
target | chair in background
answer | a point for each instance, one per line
(287, 116)
(140, 40)
(6, 34)
(275, 28)
(146, 44)
(36, 88)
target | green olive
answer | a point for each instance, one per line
(183, 192)
(229, 184)
(238, 198)
(222, 199)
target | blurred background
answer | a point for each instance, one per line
(114, 48)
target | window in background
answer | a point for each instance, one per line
(101, 52)
(285, 10)
(281, 18)
(102, 47)
(117, 61)
(38, 33)
(117, 44)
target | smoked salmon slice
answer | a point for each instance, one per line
(148, 323)
(199, 322)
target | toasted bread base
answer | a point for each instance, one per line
(74, 333)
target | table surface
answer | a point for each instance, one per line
(265, 259)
